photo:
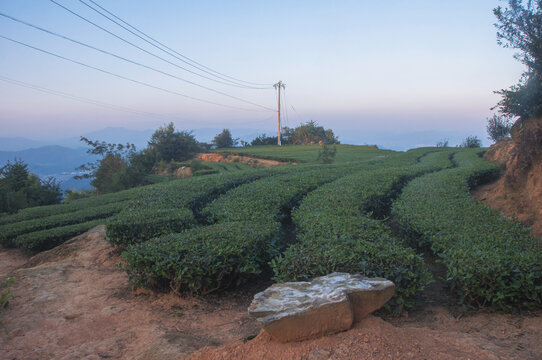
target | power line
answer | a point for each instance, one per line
(170, 51)
(77, 98)
(124, 77)
(130, 61)
(138, 47)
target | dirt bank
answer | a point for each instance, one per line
(74, 302)
(255, 162)
(518, 194)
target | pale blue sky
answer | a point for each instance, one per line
(355, 66)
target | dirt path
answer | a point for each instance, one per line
(74, 302)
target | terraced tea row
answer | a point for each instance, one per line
(337, 231)
(73, 206)
(132, 215)
(490, 260)
(12, 234)
(245, 235)
(168, 208)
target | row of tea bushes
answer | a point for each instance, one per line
(204, 259)
(168, 207)
(73, 206)
(49, 238)
(243, 239)
(12, 234)
(336, 231)
(490, 260)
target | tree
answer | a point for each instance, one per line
(265, 140)
(520, 27)
(168, 144)
(105, 171)
(224, 140)
(471, 142)
(19, 188)
(498, 127)
(442, 143)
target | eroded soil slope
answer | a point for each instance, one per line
(518, 194)
(74, 302)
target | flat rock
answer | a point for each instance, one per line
(301, 310)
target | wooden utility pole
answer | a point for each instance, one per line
(278, 86)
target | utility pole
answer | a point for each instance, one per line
(278, 86)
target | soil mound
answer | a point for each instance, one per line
(518, 194)
(254, 162)
(438, 336)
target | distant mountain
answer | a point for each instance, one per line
(19, 143)
(114, 135)
(53, 160)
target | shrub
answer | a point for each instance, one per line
(498, 127)
(336, 231)
(202, 260)
(490, 260)
(471, 142)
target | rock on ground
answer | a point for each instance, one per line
(301, 310)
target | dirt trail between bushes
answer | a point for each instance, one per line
(74, 302)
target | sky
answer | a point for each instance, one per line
(373, 71)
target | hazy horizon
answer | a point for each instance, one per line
(356, 67)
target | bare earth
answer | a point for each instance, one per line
(74, 302)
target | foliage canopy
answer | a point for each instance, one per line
(520, 27)
(19, 188)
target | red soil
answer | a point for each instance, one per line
(74, 302)
(215, 157)
(518, 194)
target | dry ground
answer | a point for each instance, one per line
(74, 302)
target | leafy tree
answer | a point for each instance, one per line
(327, 154)
(121, 167)
(304, 134)
(265, 140)
(498, 127)
(471, 142)
(106, 172)
(224, 140)
(168, 144)
(520, 27)
(19, 188)
(442, 143)
(311, 133)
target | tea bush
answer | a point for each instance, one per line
(9, 232)
(202, 260)
(47, 239)
(490, 260)
(336, 231)
(167, 208)
(243, 238)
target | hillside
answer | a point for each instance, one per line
(196, 250)
(518, 194)
(57, 161)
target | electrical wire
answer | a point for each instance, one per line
(129, 60)
(124, 77)
(77, 98)
(136, 46)
(170, 51)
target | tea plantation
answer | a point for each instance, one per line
(235, 224)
